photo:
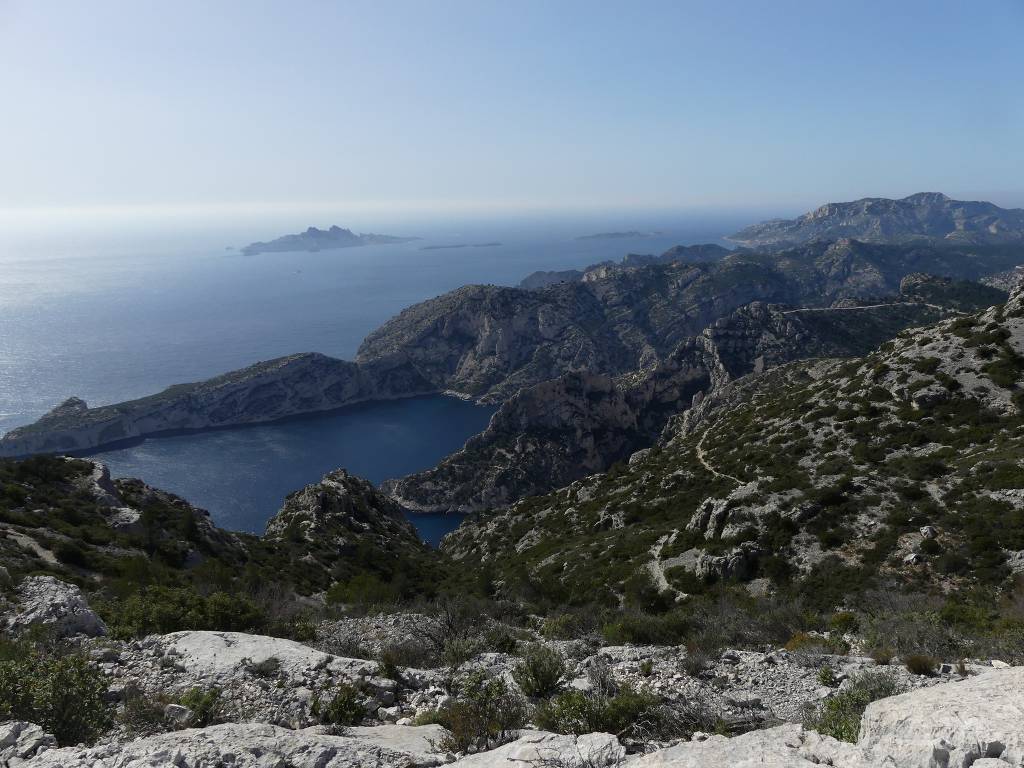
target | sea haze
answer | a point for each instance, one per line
(110, 316)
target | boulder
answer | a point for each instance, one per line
(22, 741)
(48, 602)
(592, 750)
(419, 742)
(952, 724)
(786, 746)
(250, 745)
(217, 657)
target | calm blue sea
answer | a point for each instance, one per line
(110, 311)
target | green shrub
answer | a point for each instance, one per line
(839, 715)
(920, 664)
(541, 672)
(882, 656)
(579, 712)
(564, 626)
(344, 708)
(644, 629)
(63, 694)
(161, 610)
(827, 677)
(844, 622)
(207, 708)
(363, 589)
(484, 714)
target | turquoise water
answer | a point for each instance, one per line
(242, 475)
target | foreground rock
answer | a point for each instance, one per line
(591, 750)
(261, 679)
(952, 724)
(787, 746)
(51, 604)
(255, 745)
(20, 741)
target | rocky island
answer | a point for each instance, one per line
(314, 239)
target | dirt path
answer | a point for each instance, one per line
(872, 306)
(704, 462)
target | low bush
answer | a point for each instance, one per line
(920, 664)
(344, 708)
(839, 716)
(484, 714)
(63, 694)
(206, 705)
(541, 673)
(882, 656)
(645, 629)
(844, 622)
(626, 713)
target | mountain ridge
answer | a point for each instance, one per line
(925, 216)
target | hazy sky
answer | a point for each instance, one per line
(511, 104)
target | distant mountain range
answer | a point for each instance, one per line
(314, 239)
(928, 216)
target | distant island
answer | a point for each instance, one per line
(458, 245)
(314, 239)
(632, 234)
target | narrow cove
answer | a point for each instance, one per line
(241, 475)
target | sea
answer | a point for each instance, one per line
(112, 308)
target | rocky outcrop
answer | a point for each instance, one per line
(334, 530)
(923, 216)
(953, 724)
(253, 745)
(330, 521)
(21, 741)
(53, 605)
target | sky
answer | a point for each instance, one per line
(489, 106)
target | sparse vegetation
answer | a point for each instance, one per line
(839, 715)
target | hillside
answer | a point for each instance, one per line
(119, 538)
(926, 216)
(824, 477)
(561, 430)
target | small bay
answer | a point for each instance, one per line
(241, 475)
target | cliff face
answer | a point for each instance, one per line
(553, 433)
(924, 216)
(262, 392)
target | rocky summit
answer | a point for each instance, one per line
(927, 216)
